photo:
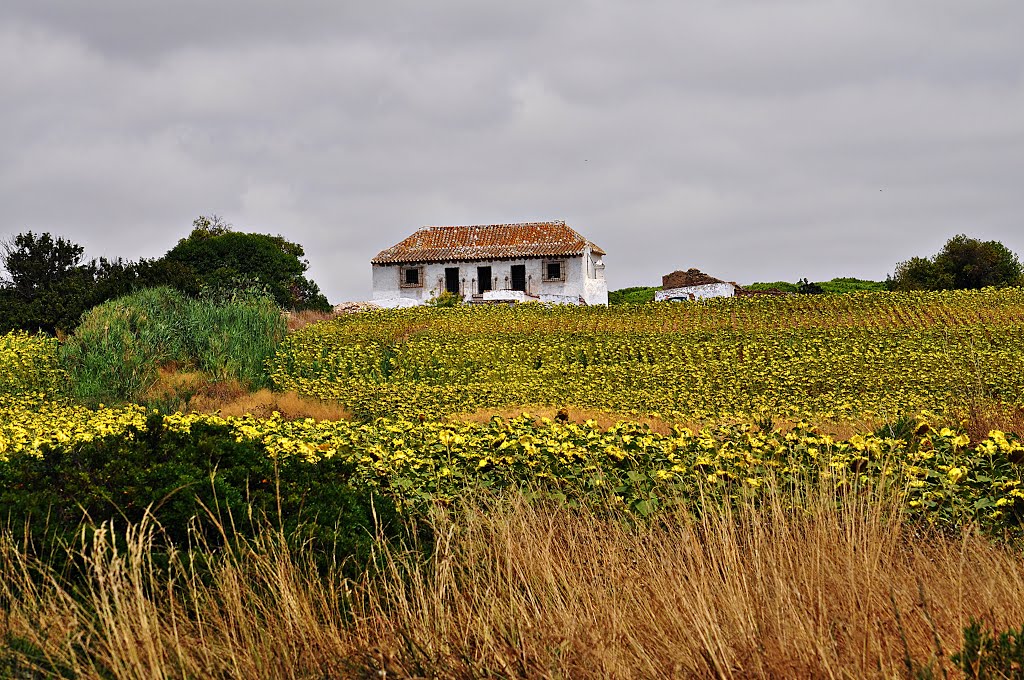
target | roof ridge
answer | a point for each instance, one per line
(498, 224)
(552, 238)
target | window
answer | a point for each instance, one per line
(411, 277)
(554, 270)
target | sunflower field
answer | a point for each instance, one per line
(729, 363)
(848, 357)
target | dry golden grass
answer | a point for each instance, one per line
(262, 403)
(299, 320)
(979, 418)
(195, 392)
(515, 589)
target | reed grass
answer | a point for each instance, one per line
(115, 353)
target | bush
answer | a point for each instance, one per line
(836, 286)
(116, 351)
(784, 286)
(223, 259)
(988, 656)
(178, 477)
(963, 263)
(445, 299)
(633, 296)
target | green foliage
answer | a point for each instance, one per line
(633, 296)
(445, 299)
(783, 286)
(223, 260)
(50, 287)
(837, 286)
(177, 476)
(843, 285)
(987, 655)
(47, 287)
(114, 354)
(963, 263)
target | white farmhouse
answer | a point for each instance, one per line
(538, 261)
(693, 284)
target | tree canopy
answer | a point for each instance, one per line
(46, 284)
(962, 263)
(226, 261)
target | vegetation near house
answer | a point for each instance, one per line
(632, 296)
(963, 263)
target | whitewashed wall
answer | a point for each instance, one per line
(594, 290)
(710, 290)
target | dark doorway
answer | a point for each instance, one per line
(483, 279)
(519, 277)
(451, 279)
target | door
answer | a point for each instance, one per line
(451, 279)
(483, 279)
(519, 277)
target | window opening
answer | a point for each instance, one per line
(483, 279)
(451, 279)
(553, 271)
(412, 277)
(519, 277)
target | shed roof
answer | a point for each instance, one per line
(691, 277)
(487, 242)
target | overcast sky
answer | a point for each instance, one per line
(754, 139)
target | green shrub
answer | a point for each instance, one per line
(784, 286)
(633, 296)
(116, 350)
(445, 299)
(839, 286)
(176, 477)
(836, 286)
(990, 656)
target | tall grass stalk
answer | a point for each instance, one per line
(514, 588)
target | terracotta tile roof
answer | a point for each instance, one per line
(691, 277)
(487, 242)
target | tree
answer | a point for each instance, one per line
(962, 263)
(47, 287)
(214, 225)
(227, 261)
(35, 263)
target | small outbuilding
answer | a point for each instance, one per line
(693, 284)
(492, 263)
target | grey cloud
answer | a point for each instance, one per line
(754, 140)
